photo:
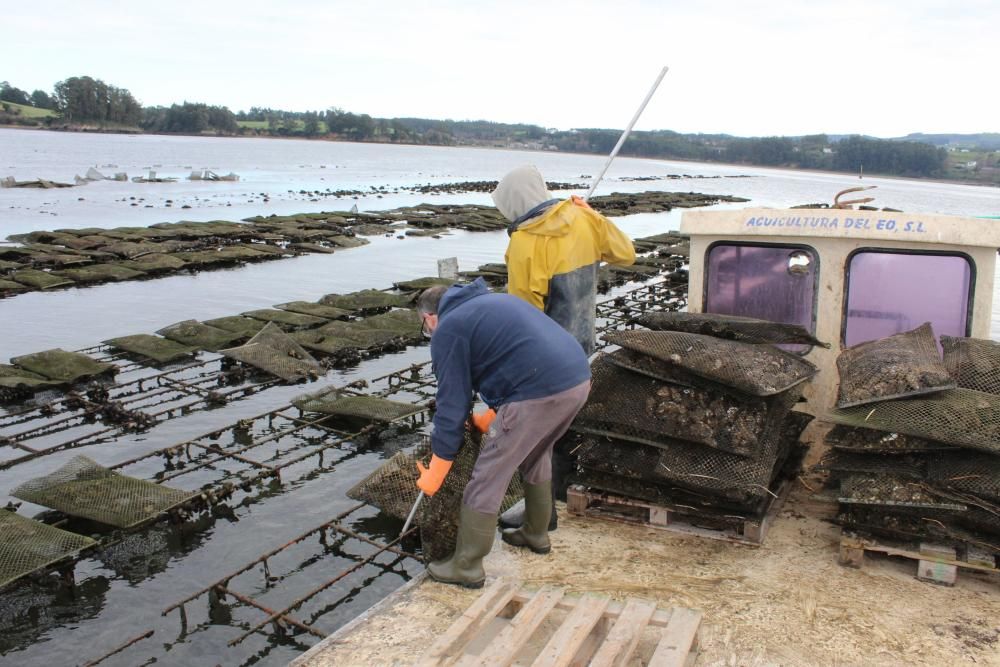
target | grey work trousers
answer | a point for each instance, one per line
(521, 437)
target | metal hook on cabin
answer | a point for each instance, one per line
(850, 202)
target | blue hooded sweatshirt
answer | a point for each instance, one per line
(501, 347)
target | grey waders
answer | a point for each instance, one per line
(476, 531)
(534, 532)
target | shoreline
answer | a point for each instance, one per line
(921, 179)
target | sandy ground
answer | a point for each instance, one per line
(785, 603)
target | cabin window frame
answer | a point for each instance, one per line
(813, 254)
(973, 274)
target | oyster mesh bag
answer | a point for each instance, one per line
(690, 508)
(365, 301)
(974, 363)
(635, 470)
(393, 489)
(972, 472)
(960, 417)
(63, 366)
(939, 526)
(404, 321)
(759, 370)
(288, 320)
(245, 327)
(335, 403)
(903, 365)
(638, 407)
(85, 489)
(314, 309)
(737, 479)
(729, 327)
(397, 326)
(982, 521)
(856, 439)
(962, 487)
(841, 463)
(201, 336)
(638, 362)
(273, 351)
(336, 336)
(419, 284)
(892, 490)
(27, 545)
(159, 349)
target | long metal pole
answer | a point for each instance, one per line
(628, 131)
(413, 511)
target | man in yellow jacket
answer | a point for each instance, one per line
(556, 247)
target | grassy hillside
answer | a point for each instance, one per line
(26, 111)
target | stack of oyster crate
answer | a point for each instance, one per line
(915, 456)
(689, 425)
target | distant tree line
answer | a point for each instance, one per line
(81, 99)
(84, 100)
(38, 99)
(882, 156)
(189, 118)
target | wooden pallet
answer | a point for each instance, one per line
(595, 630)
(936, 563)
(588, 501)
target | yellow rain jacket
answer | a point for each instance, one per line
(552, 261)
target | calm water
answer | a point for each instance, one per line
(114, 607)
(281, 169)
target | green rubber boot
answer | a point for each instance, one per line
(534, 532)
(476, 531)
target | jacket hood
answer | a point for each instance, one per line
(520, 191)
(530, 215)
(552, 219)
(459, 294)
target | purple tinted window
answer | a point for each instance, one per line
(776, 283)
(888, 293)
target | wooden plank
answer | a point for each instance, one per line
(870, 545)
(576, 502)
(660, 619)
(506, 645)
(981, 557)
(590, 644)
(660, 516)
(449, 646)
(929, 567)
(569, 639)
(581, 501)
(624, 636)
(679, 638)
(852, 552)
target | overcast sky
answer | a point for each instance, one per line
(877, 67)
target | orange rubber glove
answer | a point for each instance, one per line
(580, 201)
(432, 478)
(482, 420)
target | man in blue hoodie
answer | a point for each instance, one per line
(535, 376)
(556, 248)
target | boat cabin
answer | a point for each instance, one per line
(846, 276)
